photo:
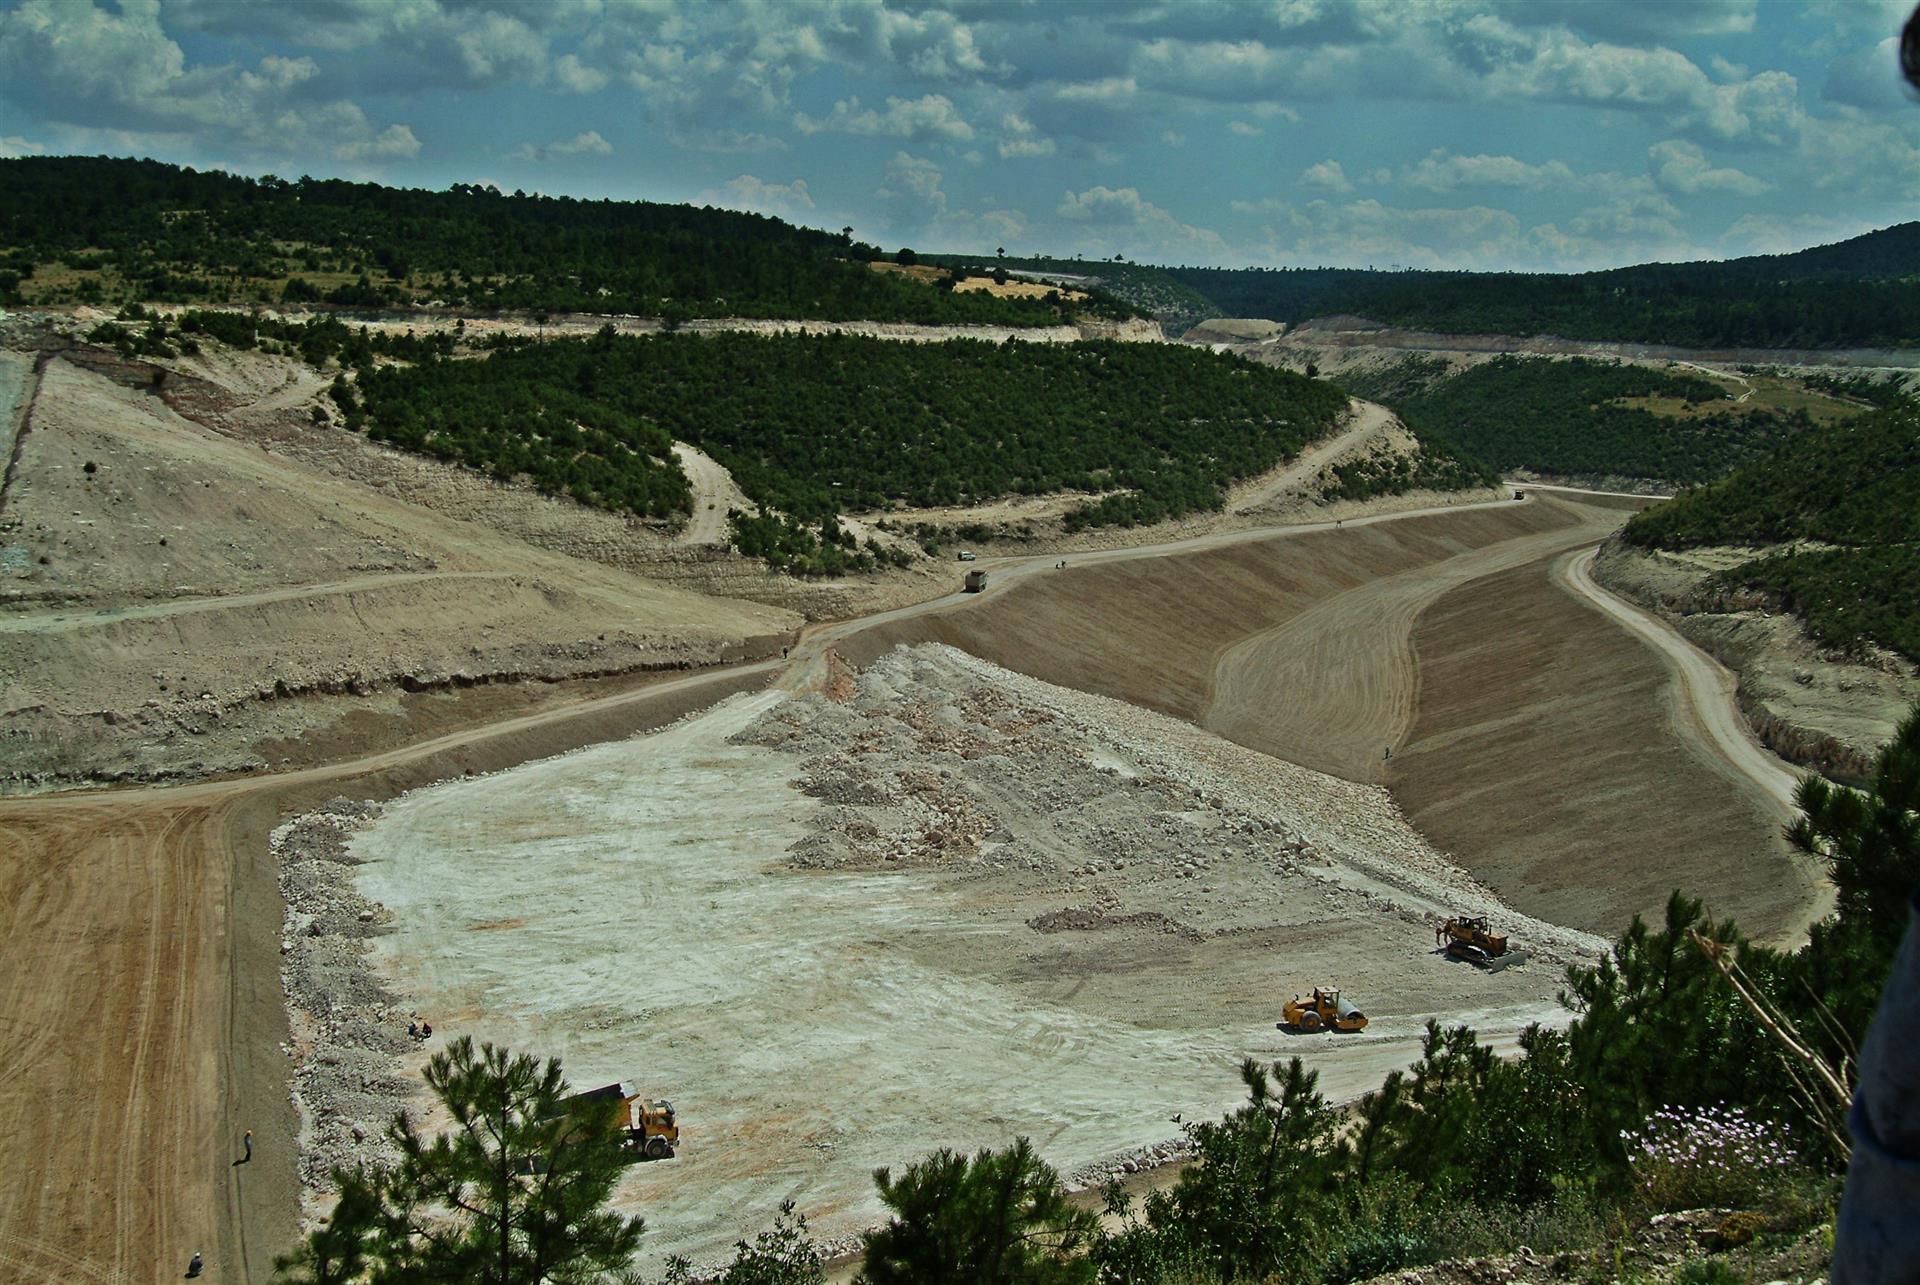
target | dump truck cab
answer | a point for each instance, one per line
(650, 1125)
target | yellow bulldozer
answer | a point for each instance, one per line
(1468, 937)
(1324, 1010)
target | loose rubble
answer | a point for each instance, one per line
(348, 1030)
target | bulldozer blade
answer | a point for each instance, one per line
(1507, 960)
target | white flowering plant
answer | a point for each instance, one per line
(1717, 1156)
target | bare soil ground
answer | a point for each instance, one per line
(1546, 744)
(186, 596)
(1004, 909)
(1824, 709)
(200, 576)
(59, 883)
(142, 928)
(1551, 815)
(146, 1029)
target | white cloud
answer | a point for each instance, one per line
(1021, 139)
(1680, 166)
(394, 143)
(585, 144)
(1785, 233)
(1109, 91)
(749, 193)
(1123, 215)
(12, 145)
(1244, 130)
(497, 48)
(577, 77)
(1326, 174)
(1868, 78)
(1442, 171)
(915, 183)
(95, 70)
(930, 116)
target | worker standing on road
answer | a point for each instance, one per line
(195, 1265)
(1387, 755)
(246, 1144)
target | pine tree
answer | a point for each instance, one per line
(999, 1218)
(513, 1194)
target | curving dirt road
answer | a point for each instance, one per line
(1708, 705)
(714, 492)
(1368, 418)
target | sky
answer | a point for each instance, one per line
(1481, 134)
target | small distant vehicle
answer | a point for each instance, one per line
(1324, 1010)
(966, 555)
(1519, 495)
(976, 581)
(1469, 938)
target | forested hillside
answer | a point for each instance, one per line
(1862, 292)
(98, 230)
(814, 426)
(1578, 418)
(1150, 290)
(1851, 491)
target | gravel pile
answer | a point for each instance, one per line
(348, 1028)
(933, 759)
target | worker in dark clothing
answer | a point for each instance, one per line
(1876, 1235)
(195, 1266)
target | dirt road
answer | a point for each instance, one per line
(714, 492)
(1368, 419)
(1707, 701)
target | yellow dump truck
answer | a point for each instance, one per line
(652, 1129)
(1324, 1010)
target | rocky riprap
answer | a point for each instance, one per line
(348, 1028)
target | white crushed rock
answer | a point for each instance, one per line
(348, 1027)
(934, 758)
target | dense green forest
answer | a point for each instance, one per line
(813, 426)
(101, 230)
(1861, 292)
(1853, 491)
(1570, 418)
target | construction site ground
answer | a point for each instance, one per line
(1553, 763)
(936, 904)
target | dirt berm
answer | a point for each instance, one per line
(1541, 754)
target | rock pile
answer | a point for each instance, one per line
(348, 1028)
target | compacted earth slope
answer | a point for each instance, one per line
(186, 594)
